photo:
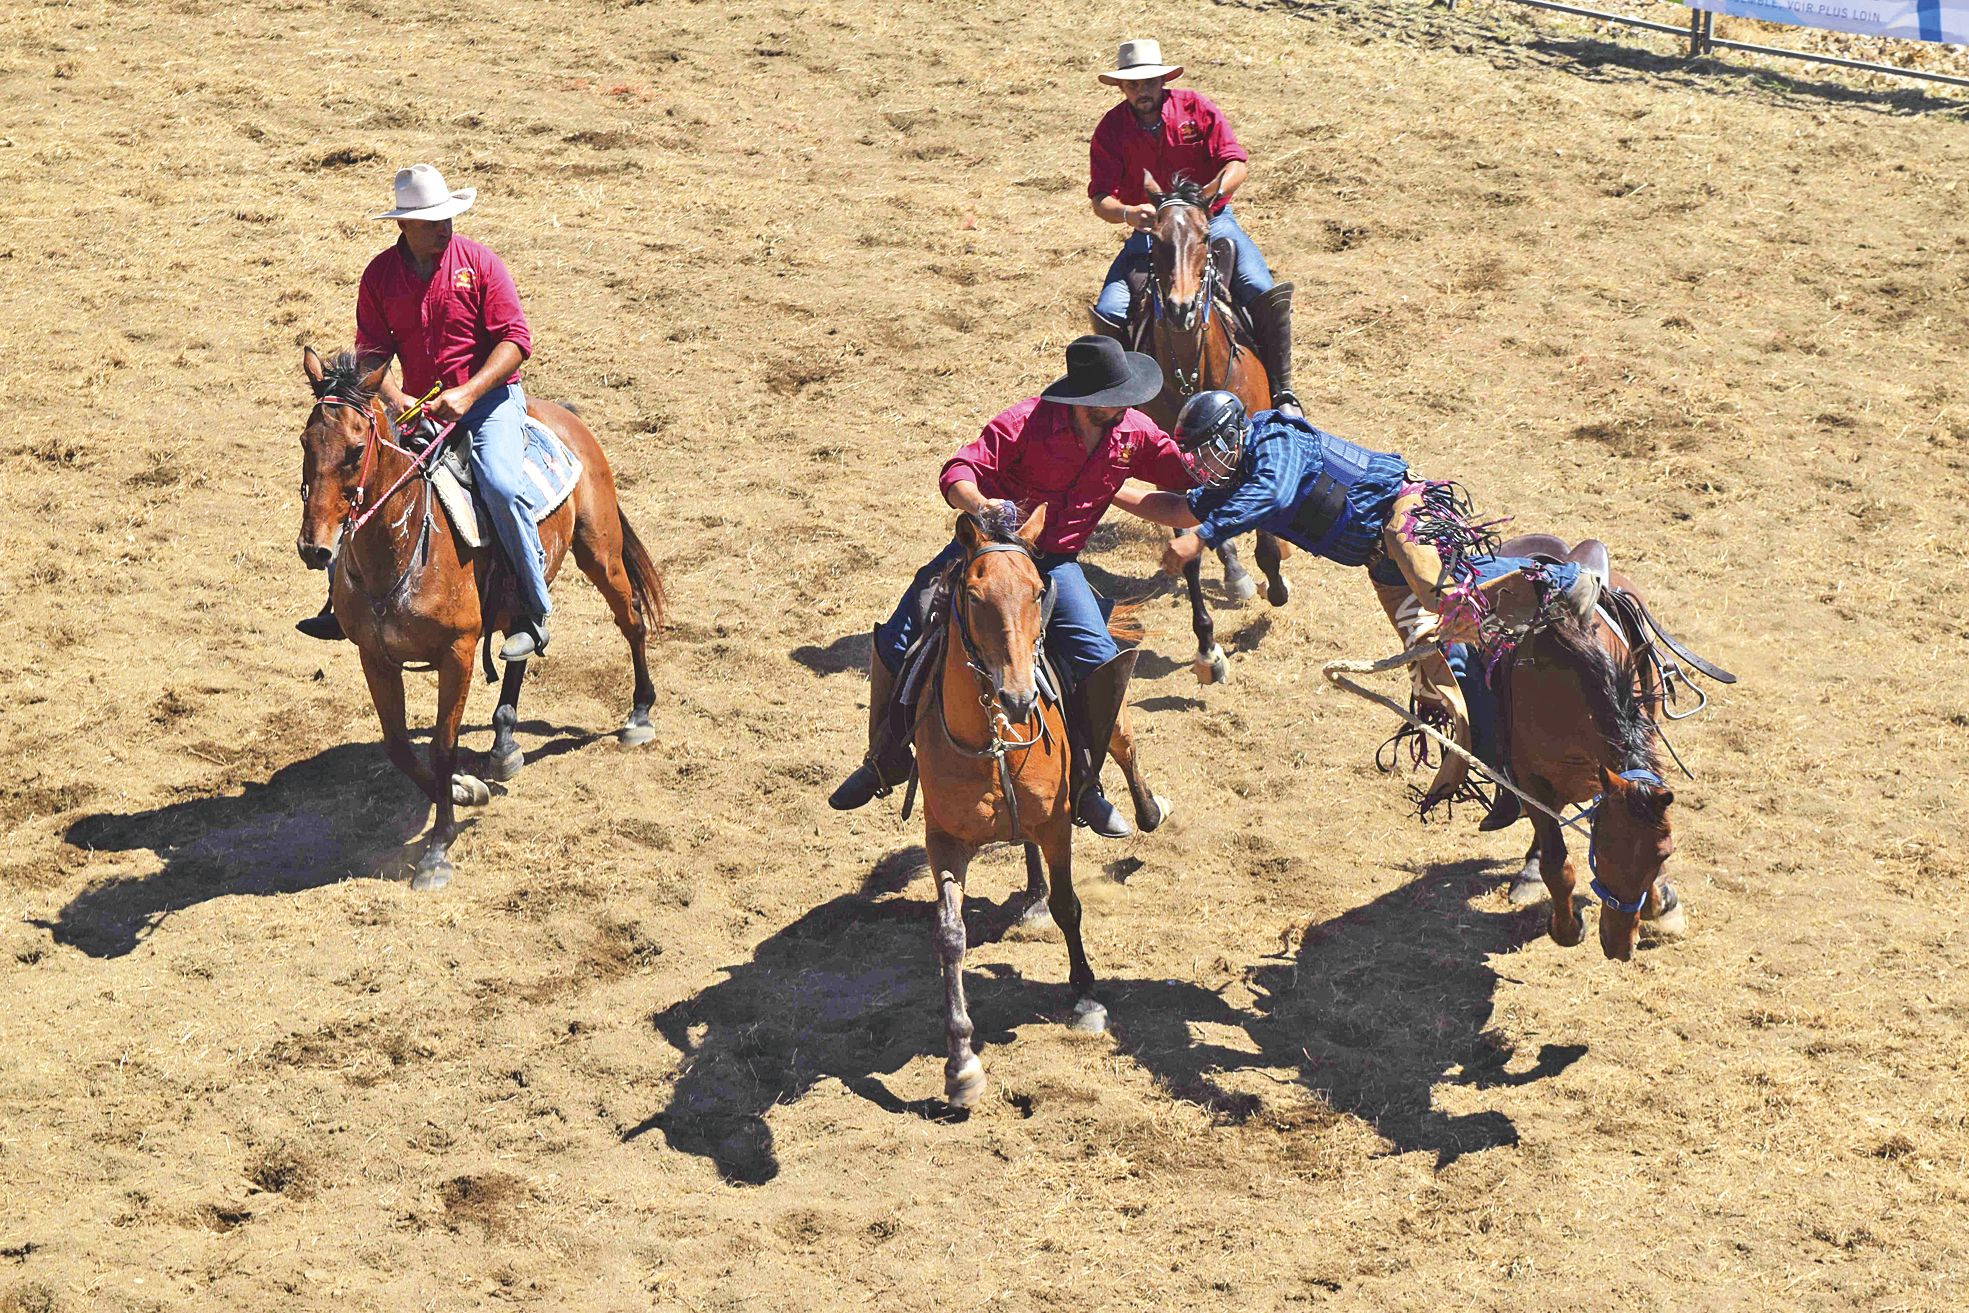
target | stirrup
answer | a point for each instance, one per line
(528, 638)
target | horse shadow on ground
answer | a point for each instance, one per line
(343, 813)
(1376, 1008)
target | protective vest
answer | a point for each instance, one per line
(1324, 512)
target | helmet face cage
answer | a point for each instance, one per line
(1210, 436)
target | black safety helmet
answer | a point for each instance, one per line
(1210, 434)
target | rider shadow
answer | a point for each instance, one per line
(846, 653)
(1377, 1008)
(343, 812)
(852, 990)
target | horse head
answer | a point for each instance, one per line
(1631, 842)
(340, 427)
(999, 591)
(1179, 256)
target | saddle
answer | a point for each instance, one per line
(552, 471)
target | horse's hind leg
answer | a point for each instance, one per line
(1237, 579)
(505, 760)
(963, 1078)
(1277, 591)
(603, 565)
(1210, 667)
(1034, 919)
(1089, 1017)
(1151, 808)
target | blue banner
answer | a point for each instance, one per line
(1916, 20)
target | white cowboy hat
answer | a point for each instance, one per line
(1138, 62)
(421, 194)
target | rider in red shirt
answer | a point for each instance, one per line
(1068, 449)
(1164, 131)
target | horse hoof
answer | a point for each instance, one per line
(1089, 1018)
(505, 766)
(1527, 891)
(1564, 941)
(469, 791)
(1278, 592)
(1672, 924)
(634, 735)
(1035, 922)
(1240, 587)
(963, 1089)
(1211, 667)
(433, 873)
(1163, 809)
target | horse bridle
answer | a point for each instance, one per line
(1003, 740)
(1600, 891)
(353, 521)
(1186, 384)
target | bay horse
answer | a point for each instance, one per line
(408, 591)
(1193, 334)
(992, 756)
(1577, 707)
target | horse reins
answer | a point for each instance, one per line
(419, 467)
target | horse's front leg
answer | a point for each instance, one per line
(1527, 888)
(1237, 579)
(1089, 1016)
(1210, 667)
(1277, 591)
(1566, 925)
(386, 692)
(454, 685)
(964, 1079)
(506, 757)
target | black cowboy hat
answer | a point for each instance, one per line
(1100, 373)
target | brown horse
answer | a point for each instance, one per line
(1193, 334)
(1578, 711)
(992, 756)
(409, 591)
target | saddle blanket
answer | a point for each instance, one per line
(551, 473)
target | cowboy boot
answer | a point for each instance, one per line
(527, 638)
(1101, 326)
(889, 759)
(1271, 321)
(1092, 709)
(323, 624)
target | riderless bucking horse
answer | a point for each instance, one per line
(416, 581)
(1188, 285)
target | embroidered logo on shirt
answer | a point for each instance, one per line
(462, 280)
(1190, 132)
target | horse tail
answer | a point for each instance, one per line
(644, 581)
(1125, 622)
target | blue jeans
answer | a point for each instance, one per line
(1077, 638)
(1253, 275)
(497, 428)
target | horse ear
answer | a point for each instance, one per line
(1659, 800)
(970, 531)
(1148, 185)
(311, 364)
(1034, 526)
(374, 382)
(1610, 783)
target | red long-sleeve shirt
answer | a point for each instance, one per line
(1195, 139)
(441, 328)
(1031, 455)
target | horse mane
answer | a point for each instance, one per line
(341, 378)
(1618, 711)
(1185, 189)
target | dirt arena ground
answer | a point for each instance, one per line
(671, 1039)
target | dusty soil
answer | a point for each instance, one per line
(671, 1039)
